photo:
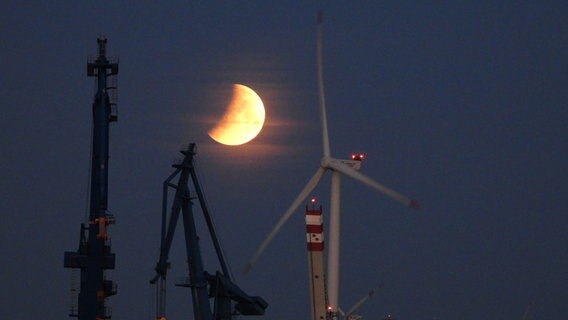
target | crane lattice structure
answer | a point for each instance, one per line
(204, 285)
(94, 255)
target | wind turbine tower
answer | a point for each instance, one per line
(94, 255)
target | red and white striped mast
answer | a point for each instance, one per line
(315, 246)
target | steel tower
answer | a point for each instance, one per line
(94, 255)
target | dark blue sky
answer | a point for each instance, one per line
(461, 105)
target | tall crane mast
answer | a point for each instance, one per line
(94, 255)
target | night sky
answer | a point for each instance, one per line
(460, 105)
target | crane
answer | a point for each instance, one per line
(94, 255)
(204, 285)
(350, 315)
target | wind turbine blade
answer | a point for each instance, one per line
(325, 136)
(301, 197)
(350, 172)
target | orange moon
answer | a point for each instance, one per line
(242, 120)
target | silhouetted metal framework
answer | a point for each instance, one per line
(204, 285)
(94, 255)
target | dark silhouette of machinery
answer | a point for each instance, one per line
(204, 286)
(94, 255)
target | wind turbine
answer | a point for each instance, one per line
(337, 167)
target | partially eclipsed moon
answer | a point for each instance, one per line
(242, 120)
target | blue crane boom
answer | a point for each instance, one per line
(94, 255)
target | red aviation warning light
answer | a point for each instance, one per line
(357, 156)
(313, 202)
(331, 314)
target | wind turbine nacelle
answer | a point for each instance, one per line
(355, 164)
